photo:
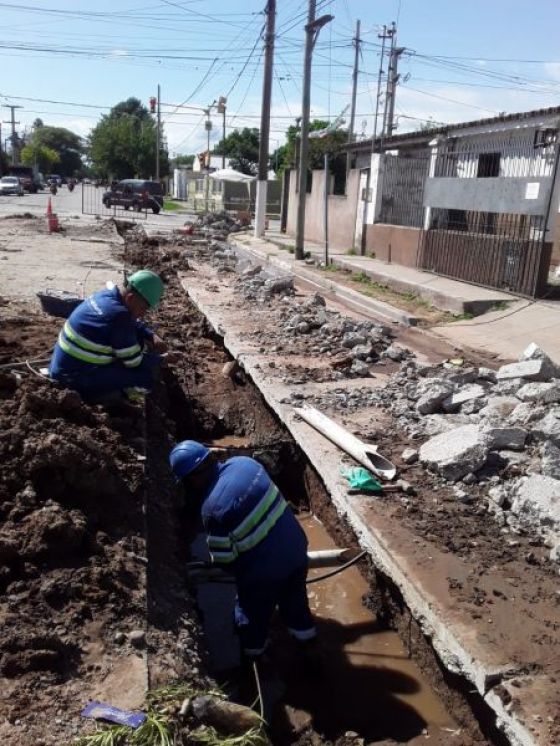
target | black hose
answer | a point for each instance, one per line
(336, 570)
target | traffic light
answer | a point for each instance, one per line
(153, 101)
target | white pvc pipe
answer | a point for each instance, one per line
(364, 453)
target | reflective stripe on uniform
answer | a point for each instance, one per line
(80, 354)
(128, 351)
(134, 363)
(73, 336)
(251, 531)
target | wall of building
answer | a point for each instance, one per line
(342, 211)
(393, 243)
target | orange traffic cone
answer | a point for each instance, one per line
(52, 219)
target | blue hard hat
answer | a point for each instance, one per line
(186, 456)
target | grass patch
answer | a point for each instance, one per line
(171, 206)
(351, 252)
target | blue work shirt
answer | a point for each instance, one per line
(251, 528)
(100, 332)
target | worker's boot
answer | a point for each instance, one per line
(311, 657)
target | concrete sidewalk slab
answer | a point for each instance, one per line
(507, 333)
(441, 292)
(267, 253)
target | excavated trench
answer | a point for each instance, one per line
(381, 680)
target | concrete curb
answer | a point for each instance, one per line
(352, 298)
(457, 644)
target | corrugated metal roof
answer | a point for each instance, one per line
(424, 136)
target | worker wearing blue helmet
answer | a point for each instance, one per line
(251, 532)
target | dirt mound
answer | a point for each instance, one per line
(70, 516)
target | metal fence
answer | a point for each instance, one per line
(403, 189)
(92, 204)
(517, 153)
(490, 249)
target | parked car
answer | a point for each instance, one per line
(136, 194)
(28, 177)
(11, 185)
(54, 179)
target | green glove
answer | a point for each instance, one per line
(361, 479)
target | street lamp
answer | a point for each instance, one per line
(314, 25)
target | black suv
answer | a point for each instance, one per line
(135, 193)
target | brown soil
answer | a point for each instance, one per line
(84, 492)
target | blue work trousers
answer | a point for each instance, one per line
(257, 599)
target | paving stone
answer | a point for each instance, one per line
(541, 392)
(456, 452)
(537, 502)
(468, 393)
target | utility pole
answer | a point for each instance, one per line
(221, 109)
(14, 137)
(392, 81)
(158, 131)
(262, 179)
(357, 42)
(208, 128)
(311, 33)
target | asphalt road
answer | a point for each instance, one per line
(84, 201)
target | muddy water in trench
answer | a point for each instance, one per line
(366, 682)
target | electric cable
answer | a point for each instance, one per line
(337, 570)
(259, 689)
(23, 363)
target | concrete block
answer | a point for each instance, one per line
(531, 370)
(550, 460)
(433, 392)
(512, 438)
(455, 453)
(487, 374)
(498, 408)
(536, 503)
(468, 393)
(541, 392)
(409, 455)
(525, 413)
(548, 428)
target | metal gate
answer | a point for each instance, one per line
(93, 204)
(485, 248)
(487, 207)
(402, 189)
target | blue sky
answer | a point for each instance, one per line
(463, 60)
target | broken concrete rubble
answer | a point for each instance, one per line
(455, 453)
(467, 394)
(536, 501)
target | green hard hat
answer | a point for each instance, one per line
(148, 285)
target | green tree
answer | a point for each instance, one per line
(123, 144)
(67, 144)
(35, 154)
(242, 148)
(3, 161)
(182, 160)
(331, 144)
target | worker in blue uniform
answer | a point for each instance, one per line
(252, 533)
(103, 347)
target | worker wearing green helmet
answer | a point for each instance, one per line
(104, 348)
